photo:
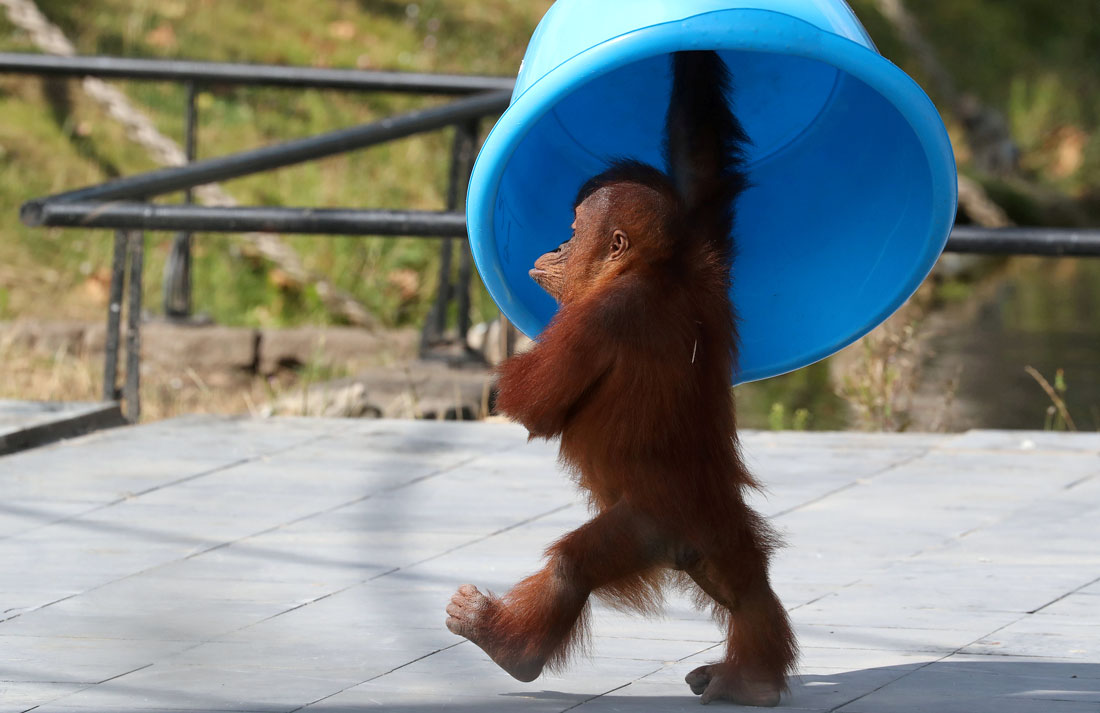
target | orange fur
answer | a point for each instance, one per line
(633, 376)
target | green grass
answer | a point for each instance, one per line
(52, 139)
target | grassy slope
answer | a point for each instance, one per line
(47, 146)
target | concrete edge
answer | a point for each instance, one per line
(100, 417)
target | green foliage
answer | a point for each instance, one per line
(778, 421)
(1032, 59)
(985, 42)
(776, 418)
(954, 291)
(1036, 104)
(801, 400)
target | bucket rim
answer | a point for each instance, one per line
(753, 30)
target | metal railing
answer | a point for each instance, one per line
(124, 204)
(965, 239)
(1050, 242)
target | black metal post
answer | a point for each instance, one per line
(465, 273)
(507, 338)
(132, 390)
(445, 291)
(177, 270)
(465, 259)
(114, 318)
(435, 326)
(168, 180)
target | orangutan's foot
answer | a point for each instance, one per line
(723, 682)
(470, 614)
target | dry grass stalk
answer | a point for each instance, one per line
(1055, 398)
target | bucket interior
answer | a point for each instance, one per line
(831, 237)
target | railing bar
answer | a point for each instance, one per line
(114, 318)
(225, 219)
(340, 221)
(1025, 241)
(132, 387)
(252, 74)
(167, 180)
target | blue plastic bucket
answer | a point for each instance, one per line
(854, 178)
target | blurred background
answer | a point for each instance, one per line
(987, 342)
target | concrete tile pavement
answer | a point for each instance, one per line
(281, 565)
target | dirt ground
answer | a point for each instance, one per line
(186, 370)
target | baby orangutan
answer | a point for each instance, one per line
(633, 375)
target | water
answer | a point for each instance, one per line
(1043, 313)
(1037, 312)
